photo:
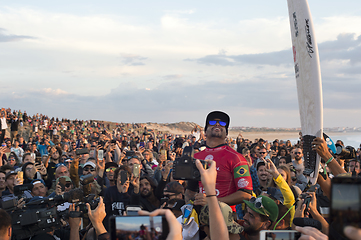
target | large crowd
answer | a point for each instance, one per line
(98, 171)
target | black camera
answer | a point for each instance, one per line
(345, 152)
(184, 168)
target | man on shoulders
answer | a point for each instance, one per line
(234, 182)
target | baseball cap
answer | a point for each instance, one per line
(89, 164)
(110, 164)
(218, 115)
(263, 205)
(227, 213)
(67, 179)
(9, 174)
(36, 181)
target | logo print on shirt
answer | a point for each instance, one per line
(210, 157)
(242, 183)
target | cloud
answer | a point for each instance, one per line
(4, 37)
(172, 76)
(132, 60)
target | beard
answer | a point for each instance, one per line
(251, 230)
(146, 195)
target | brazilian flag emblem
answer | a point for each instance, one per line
(241, 171)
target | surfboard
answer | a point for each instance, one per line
(309, 84)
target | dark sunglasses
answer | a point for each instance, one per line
(213, 122)
(298, 153)
(89, 169)
(68, 185)
(262, 152)
(294, 178)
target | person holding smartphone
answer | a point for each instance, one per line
(117, 197)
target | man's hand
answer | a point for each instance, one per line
(320, 146)
(135, 183)
(58, 190)
(209, 176)
(100, 168)
(97, 216)
(352, 233)
(172, 156)
(271, 168)
(310, 233)
(200, 199)
(168, 166)
(74, 222)
(41, 169)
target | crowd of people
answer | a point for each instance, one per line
(246, 186)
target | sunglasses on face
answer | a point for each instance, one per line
(110, 169)
(89, 169)
(294, 178)
(298, 153)
(213, 122)
(262, 152)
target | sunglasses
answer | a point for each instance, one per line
(257, 202)
(68, 185)
(169, 195)
(298, 153)
(294, 178)
(110, 169)
(89, 169)
(213, 122)
(262, 152)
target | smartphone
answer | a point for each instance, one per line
(38, 160)
(129, 153)
(136, 169)
(123, 177)
(33, 155)
(62, 183)
(133, 210)
(100, 155)
(20, 174)
(92, 153)
(132, 227)
(345, 204)
(164, 153)
(279, 234)
(141, 144)
(82, 151)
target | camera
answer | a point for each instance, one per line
(184, 168)
(345, 152)
(345, 205)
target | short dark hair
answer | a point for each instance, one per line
(260, 163)
(5, 222)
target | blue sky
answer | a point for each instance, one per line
(171, 61)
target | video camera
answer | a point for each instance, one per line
(41, 215)
(184, 168)
(9, 202)
(345, 152)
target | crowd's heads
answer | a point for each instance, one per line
(232, 226)
(220, 116)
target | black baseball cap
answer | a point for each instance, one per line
(218, 115)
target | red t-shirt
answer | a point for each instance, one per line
(232, 170)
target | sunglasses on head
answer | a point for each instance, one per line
(213, 122)
(257, 202)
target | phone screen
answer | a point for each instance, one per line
(136, 170)
(138, 227)
(100, 155)
(279, 234)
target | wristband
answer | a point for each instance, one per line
(214, 195)
(328, 161)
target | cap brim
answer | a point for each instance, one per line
(251, 206)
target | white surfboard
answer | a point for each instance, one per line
(308, 78)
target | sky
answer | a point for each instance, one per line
(172, 61)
